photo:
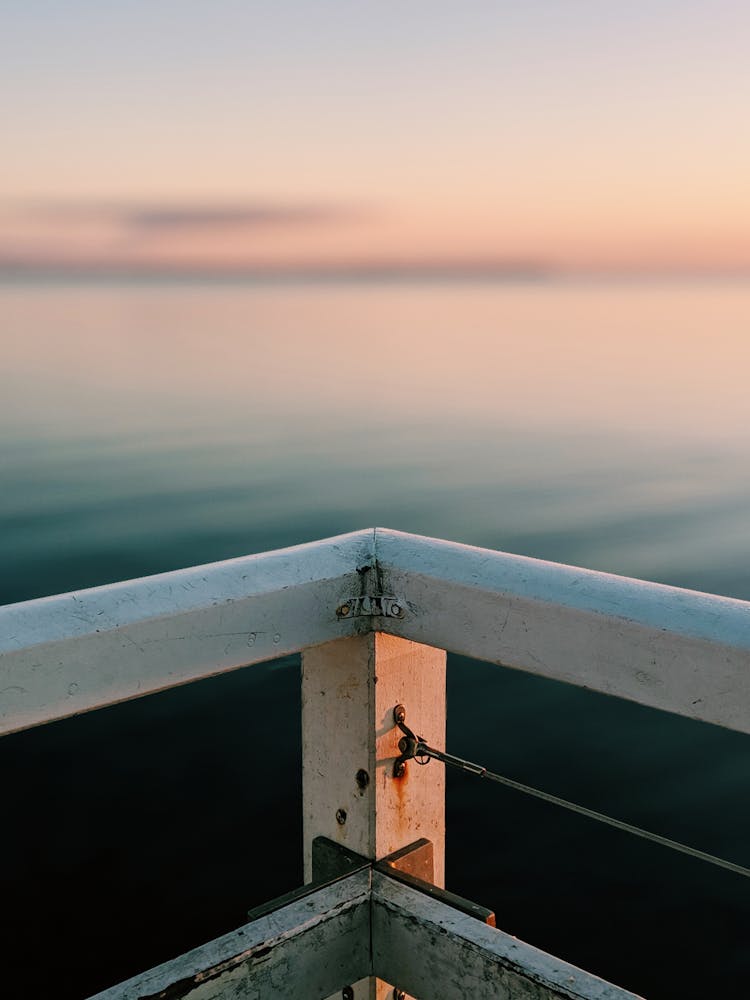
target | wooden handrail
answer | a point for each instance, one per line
(677, 650)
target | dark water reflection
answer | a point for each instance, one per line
(147, 428)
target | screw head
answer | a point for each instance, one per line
(399, 769)
(341, 816)
(347, 993)
(343, 610)
(398, 994)
(362, 778)
(399, 713)
(396, 610)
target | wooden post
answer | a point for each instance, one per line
(350, 688)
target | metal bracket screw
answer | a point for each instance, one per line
(347, 993)
(398, 994)
(341, 816)
(384, 605)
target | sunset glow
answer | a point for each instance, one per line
(330, 136)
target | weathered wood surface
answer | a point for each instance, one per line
(365, 925)
(368, 988)
(432, 950)
(677, 650)
(349, 690)
(63, 655)
(672, 649)
(303, 951)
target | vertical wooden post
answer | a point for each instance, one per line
(350, 688)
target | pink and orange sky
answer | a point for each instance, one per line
(331, 135)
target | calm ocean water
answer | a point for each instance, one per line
(147, 426)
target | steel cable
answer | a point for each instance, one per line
(423, 751)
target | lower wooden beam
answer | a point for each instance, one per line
(352, 938)
(433, 950)
(302, 951)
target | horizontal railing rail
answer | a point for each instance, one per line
(75, 652)
(677, 650)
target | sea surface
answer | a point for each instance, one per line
(146, 426)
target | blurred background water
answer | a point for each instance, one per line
(149, 425)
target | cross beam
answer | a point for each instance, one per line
(375, 920)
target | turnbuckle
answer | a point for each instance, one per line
(415, 748)
(410, 746)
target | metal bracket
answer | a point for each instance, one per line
(409, 744)
(380, 604)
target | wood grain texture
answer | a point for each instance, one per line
(433, 950)
(349, 690)
(68, 654)
(303, 951)
(677, 650)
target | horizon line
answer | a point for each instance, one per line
(392, 270)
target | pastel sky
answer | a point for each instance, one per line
(578, 134)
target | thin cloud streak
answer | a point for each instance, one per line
(294, 238)
(152, 217)
(156, 236)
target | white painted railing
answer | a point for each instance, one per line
(677, 650)
(374, 605)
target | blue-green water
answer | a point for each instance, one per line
(150, 426)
